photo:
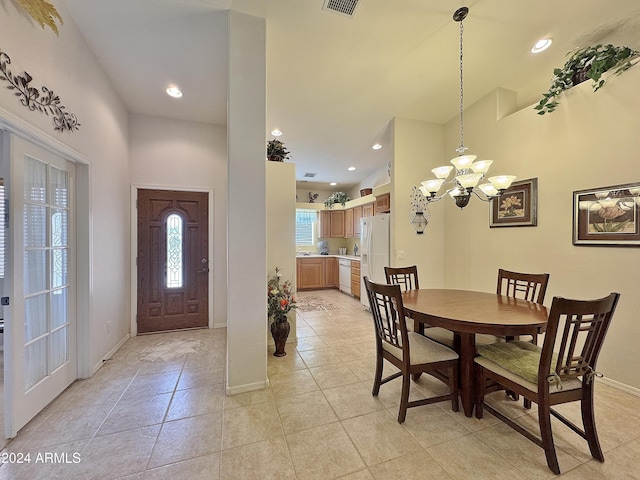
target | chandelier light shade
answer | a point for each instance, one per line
(468, 172)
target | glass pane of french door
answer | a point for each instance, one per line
(46, 200)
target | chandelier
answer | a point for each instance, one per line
(468, 172)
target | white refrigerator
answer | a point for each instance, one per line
(374, 251)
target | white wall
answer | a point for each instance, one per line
(590, 141)
(187, 155)
(66, 65)
(281, 228)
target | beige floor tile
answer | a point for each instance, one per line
(319, 357)
(329, 376)
(198, 377)
(251, 424)
(200, 468)
(136, 412)
(414, 466)
(364, 368)
(188, 438)
(352, 400)
(292, 383)
(430, 425)
(310, 343)
(268, 459)
(305, 411)
(621, 462)
(467, 458)
(323, 453)
(359, 475)
(196, 401)
(116, 455)
(290, 363)
(304, 332)
(365, 433)
(526, 456)
(38, 470)
(248, 398)
(153, 384)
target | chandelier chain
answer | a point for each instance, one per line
(462, 148)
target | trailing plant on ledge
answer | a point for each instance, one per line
(592, 62)
(336, 197)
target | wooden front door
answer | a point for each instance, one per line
(173, 265)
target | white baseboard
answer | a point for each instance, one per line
(109, 354)
(250, 387)
(620, 386)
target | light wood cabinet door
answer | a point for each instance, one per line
(367, 210)
(357, 215)
(310, 273)
(355, 278)
(348, 223)
(325, 224)
(383, 203)
(331, 272)
(337, 223)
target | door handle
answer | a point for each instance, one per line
(205, 266)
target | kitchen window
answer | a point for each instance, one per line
(306, 221)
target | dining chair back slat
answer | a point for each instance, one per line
(528, 286)
(406, 277)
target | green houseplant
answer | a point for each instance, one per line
(276, 151)
(591, 62)
(336, 197)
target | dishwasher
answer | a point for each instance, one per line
(345, 275)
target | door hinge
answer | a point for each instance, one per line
(4, 301)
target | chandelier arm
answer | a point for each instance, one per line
(484, 197)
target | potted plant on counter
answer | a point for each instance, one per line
(584, 63)
(336, 197)
(276, 151)
(280, 301)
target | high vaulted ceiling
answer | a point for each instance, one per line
(334, 82)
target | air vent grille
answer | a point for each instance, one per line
(309, 175)
(345, 7)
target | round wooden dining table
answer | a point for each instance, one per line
(467, 313)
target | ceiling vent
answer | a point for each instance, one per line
(309, 175)
(344, 7)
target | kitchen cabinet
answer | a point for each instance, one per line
(367, 210)
(331, 272)
(349, 223)
(355, 278)
(310, 273)
(332, 223)
(357, 215)
(383, 203)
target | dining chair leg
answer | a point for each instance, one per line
(377, 380)
(480, 390)
(527, 404)
(404, 397)
(589, 423)
(453, 387)
(418, 327)
(544, 418)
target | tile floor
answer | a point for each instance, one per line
(158, 410)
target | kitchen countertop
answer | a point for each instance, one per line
(316, 255)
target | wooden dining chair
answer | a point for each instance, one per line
(562, 370)
(410, 352)
(407, 278)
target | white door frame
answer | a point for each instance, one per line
(13, 124)
(134, 246)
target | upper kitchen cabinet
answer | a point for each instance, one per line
(357, 215)
(332, 223)
(348, 223)
(383, 203)
(367, 210)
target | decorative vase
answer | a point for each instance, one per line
(280, 333)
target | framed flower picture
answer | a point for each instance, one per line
(517, 206)
(607, 216)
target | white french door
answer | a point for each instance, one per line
(40, 323)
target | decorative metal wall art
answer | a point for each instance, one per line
(47, 102)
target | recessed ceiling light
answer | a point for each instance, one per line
(351, 169)
(377, 146)
(174, 91)
(276, 132)
(541, 45)
(333, 184)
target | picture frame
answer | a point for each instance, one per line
(607, 216)
(517, 206)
